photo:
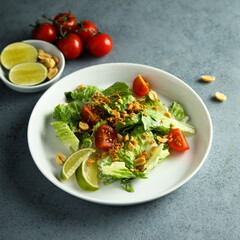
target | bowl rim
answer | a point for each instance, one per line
(41, 85)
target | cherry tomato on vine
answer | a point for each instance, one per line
(177, 141)
(88, 115)
(100, 44)
(85, 30)
(66, 20)
(140, 86)
(105, 137)
(44, 31)
(71, 46)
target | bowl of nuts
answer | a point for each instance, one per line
(31, 65)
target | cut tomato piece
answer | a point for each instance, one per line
(140, 86)
(177, 141)
(105, 137)
(88, 115)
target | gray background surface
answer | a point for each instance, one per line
(186, 38)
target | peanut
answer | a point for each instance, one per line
(84, 126)
(206, 78)
(60, 158)
(52, 72)
(220, 96)
(43, 55)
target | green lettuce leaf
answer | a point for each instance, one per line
(125, 182)
(68, 138)
(83, 94)
(178, 113)
(160, 153)
(68, 113)
(157, 121)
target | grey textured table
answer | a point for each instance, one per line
(185, 38)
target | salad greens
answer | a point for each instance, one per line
(138, 124)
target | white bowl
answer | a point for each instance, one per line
(49, 48)
(169, 175)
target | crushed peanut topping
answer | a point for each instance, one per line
(90, 162)
(114, 151)
(168, 114)
(153, 148)
(145, 136)
(80, 86)
(126, 138)
(155, 108)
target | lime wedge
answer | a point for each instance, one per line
(74, 161)
(18, 52)
(86, 176)
(28, 74)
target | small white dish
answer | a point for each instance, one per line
(49, 48)
(169, 175)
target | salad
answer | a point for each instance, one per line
(131, 135)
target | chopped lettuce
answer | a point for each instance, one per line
(161, 153)
(118, 87)
(129, 123)
(178, 113)
(125, 182)
(113, 92)
(68, 113)
(154, 104)
(68, 138)
(83, 94)
(154, 120)
(117, 170)
(143, 144)
(85, 139)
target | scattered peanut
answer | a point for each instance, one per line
(153, 96)
(52, 72)
(80, 86)
(162, 140)
(119, 137)
(60, 158)
(43, 55)
(49, 62)
(140, 161)
(120, 101)
(84, 126)
(220, 96)
(206, 78)
(131, 147)
(56, 59)
(126, 138)
(168, 114)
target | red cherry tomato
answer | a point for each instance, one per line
(105, 137)
(66, 20)
(177, 141)
(45, 32)
(71, 47)
(85, 30)
(140, 86)
(100, 44)
(88, 115)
